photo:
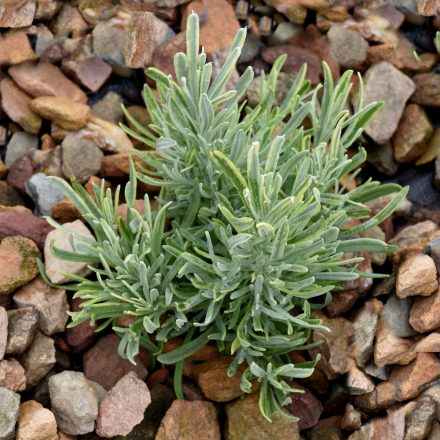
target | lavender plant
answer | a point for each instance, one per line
(258, 220)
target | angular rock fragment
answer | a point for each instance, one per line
(50, 303)
(39, 359)
(74, 402)
(19, 263)
(103, 365)
(36, 422)
(9, 408)
(123, 407)
(383, 82)
(55, 266)
(179, 421)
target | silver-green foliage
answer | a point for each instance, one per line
(257, 214)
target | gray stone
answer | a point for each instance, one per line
(3, 331)
(396, 315)
(21, 144)
(383, 82)
(347, 46)
(433, 248)
(382, 373)
(365, 325)
(109, 108)
(39, 359)
(382, 158)
(43, 193)
(81, 158)
(22, 325)
(9, 408)
(50, 303)
(251, 47)
(109, 40)
(284, 32)
(418, 421)
(74, 402)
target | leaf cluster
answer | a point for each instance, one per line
(256, 227)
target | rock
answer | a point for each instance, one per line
(66, 212)
(109, 108)
(15, 48)
(212, 378)
(43, 193)
(383, 82)
(48, 162)
(22, 324)
(3, 167)
(281, 35)
(403, 57)
(81, 336)
(432, 150)
(305, 406)
(413, 239)
(74, 402)
(429, 344)
(81, 158)
(425, 313)
(9, 408)
(351, 419)
(419, 418)
(60, 239)
(17, 16)
(9, 196)
(21, 144)
(358, 382)
(69, 21)
(412, 135)
(435, 431)
(428, 7)
(27, 225)
(161, 399)
(218, 29)
(365, 325)
(21, 171)
(417, 275)
(3, 331)
(123, 407)
(62, 111)
(245, 422)
(36, 422)
(12, 375)
(19, 263)
(108, 38)
(92, 73)
(334, 349)
(427, 89)
(46, 9)
(163, 55)
(391, 349)
(391, 427)
(348, 47)
(296, 57)
(109, 137)
(396, 316)
(409, 379)
(45, 79)
(51, 304)
(16, 104)
(116, 165)
(103, 365)
(145, 33)
(39, 359)
(179, 421)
